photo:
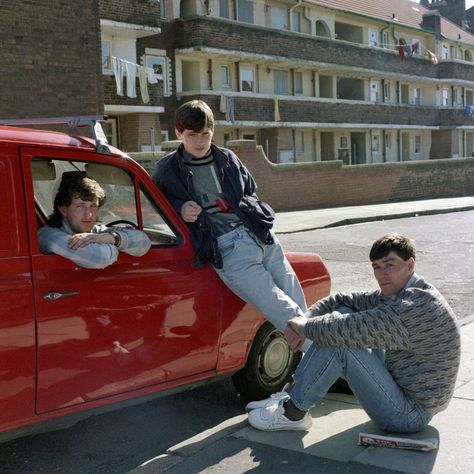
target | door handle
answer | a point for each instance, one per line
(55, 295)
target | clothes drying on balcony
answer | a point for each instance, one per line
(122, 68)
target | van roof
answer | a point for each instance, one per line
(31, 137)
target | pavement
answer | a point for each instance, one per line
(331, 445)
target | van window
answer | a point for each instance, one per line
(121, 207)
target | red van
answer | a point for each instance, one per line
(76, 340)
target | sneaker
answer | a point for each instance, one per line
(274, 398)
(272, 418)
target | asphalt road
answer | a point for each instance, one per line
(445, 253)
(121, 441)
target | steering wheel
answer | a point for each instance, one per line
(122, 221)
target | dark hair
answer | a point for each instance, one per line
(401, 245)
(74, 184)
(194, 115)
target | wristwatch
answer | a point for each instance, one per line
(116, 236)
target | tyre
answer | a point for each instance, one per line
(270, 365)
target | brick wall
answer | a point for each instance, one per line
(329, 184)
(139, 12)
(50, 58)
(135, 131)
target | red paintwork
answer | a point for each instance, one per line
(137, 327)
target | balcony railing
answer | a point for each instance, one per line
(208, 32)
(297, 112)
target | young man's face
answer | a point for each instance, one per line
(392, 273)
(196, 144)
(80, 215)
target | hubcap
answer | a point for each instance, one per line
(275, 357)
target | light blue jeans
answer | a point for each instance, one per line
(261, 275)
(388, 406)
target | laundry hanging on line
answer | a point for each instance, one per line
(122, 68)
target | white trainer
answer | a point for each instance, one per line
(273, 398)
(272, 418)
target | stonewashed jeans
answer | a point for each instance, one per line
(261, 275)
(366, 373)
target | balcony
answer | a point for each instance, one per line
(296, 112)
(207, 32)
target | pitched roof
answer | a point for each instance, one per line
(407, 13)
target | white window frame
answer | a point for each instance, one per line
(281, 77)
(241, 6)
(223, 5)
(106, 56)
(444, 97)
(227, 84)
(373, 37)
(298, 83)
(418, 144)
(388, 141)
(387, 91)
(299, 143)
(279, 18)
(296, 21)
(417, 95)
(375, 143)
(244, 71)
(158, 61)
(444, 51)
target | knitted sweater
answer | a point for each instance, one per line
(417, 329)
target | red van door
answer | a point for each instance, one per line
(142, 321)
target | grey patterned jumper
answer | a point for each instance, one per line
(418, 330)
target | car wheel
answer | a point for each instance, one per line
(270, 365)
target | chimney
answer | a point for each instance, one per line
(432, 21)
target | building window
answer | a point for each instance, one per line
(248, 136)
(299, 143)
(445, 97)
(343, 142)
(223, 8)
(445, 52)
(417, 143)
(452, 52)
(385, 40)
(159, 66)
(280, 82)
(469, 97)
(279, 18)
(225, 76)
(247, 81)
(373, 37)
(106, 56)
(375, 143)
(417, 95)
(296, 21)
(109, 127)
(387, 91)
(245, 11)
(374, 91)
(388, 141)
(298, 78)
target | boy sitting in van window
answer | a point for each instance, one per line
(73, 232)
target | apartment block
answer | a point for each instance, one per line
(309, 80)
(362, 82)
(131, 75)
